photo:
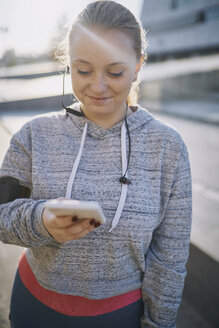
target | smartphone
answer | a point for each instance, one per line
(81, 209)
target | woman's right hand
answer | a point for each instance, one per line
(66, 228)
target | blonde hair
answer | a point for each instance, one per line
(108, 15)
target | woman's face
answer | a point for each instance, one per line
(103, 66)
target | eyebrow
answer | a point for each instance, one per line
(117, 63)
(81, 61)
(86, 62)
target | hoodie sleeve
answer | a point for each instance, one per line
(167, 255)
(20, 220)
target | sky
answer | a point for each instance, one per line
(29, 26)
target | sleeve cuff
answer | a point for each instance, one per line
(39, 226)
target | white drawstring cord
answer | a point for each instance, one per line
(124, 166)
(75, 166)
(124, 186)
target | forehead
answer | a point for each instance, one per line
(110, 45)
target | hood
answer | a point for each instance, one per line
(135, 120)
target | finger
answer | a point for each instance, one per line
(64, 221)
(74, 218)
(80, 225)
(77, 229)
(62, 238)
(83, 233)
(95, 223)
(91, 225)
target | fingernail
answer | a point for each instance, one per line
(92, 222)
(74, 219)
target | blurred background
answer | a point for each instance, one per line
(180, 86)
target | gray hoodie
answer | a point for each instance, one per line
(148, 248)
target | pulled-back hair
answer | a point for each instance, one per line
(108, 15)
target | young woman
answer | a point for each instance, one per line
(128, 272)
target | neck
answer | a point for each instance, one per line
(105, 120)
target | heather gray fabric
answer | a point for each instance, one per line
(149, 246)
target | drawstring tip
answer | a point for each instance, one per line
(125, 180)
(111, 229)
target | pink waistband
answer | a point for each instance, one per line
(69, 304)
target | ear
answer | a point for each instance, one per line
(138, 66)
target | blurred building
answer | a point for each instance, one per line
(178, 28)
(183, 49)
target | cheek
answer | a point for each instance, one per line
(77, 84)
(123, 86)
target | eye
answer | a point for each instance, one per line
(83, 72)
(115, 74)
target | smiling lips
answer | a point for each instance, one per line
(99, 100)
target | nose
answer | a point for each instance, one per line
(98, 84)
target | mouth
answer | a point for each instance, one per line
(99, 100)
